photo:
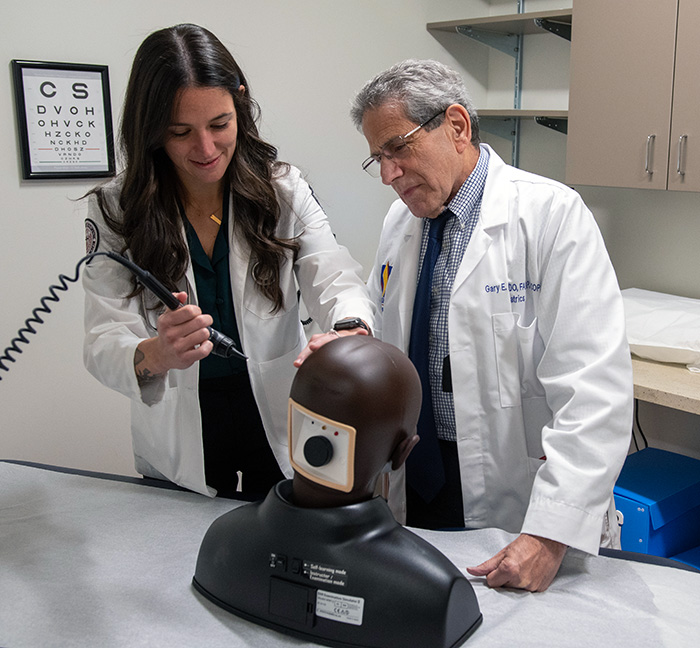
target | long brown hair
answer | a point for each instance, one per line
(168, 60)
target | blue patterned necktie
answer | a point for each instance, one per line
(424, 468)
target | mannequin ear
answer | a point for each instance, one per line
(401, 452)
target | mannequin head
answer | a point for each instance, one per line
(371, 392)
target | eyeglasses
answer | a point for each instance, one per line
(395, 149)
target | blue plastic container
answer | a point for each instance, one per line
(658, 497)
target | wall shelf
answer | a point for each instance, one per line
(522, 23)
(512, 112)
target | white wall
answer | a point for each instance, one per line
(304, 60)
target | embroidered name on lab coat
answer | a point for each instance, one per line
(517, 290)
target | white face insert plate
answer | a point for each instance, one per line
(338, 471)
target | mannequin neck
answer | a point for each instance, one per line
(308, 494)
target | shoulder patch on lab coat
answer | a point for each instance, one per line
(92, 236)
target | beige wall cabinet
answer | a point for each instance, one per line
(634, 97)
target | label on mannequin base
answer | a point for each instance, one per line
(338, 607)
(326, 574)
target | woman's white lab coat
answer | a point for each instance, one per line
(539, 357)
(165, 416)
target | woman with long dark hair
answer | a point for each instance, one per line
(204, 205)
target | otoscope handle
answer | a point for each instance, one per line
(224, 346)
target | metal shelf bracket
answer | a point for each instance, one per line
(506, 43)
(506, 127)
(560, 125)
(511, 44)
(557, 28)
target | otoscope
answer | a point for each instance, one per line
(224, 346)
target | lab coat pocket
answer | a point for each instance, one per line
(254, 302)
(268, 335)
(515, 364)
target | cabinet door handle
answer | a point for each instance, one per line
(650, 147)
(682, 140)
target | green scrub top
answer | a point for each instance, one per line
(213, 280)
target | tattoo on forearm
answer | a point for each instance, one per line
(143, 374)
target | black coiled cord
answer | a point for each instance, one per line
(223, 345)
(36, 317)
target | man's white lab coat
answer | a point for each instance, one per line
(539, 358)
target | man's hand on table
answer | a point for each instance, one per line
(529, 563)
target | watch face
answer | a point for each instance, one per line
(350, 323)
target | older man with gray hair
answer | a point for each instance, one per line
(498, 285)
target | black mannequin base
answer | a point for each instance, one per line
(342, 576)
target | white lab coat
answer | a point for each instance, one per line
(539, 357)
(165, 417)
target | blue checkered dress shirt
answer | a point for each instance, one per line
(466, 206)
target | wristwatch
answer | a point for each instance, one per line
(350, 323)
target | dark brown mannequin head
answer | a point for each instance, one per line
(371, 386)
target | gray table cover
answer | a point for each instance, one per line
(92, 562)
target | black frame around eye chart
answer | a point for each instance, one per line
(64, 116)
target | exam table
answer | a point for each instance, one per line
(96, 560)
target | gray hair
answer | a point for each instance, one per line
(421, 88)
